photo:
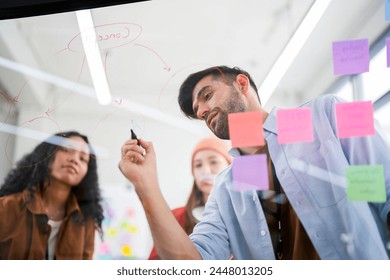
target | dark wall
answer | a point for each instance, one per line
(26, 8)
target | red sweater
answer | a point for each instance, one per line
(180, 215)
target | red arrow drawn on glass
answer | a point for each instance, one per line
(49, 110)
(167, 67)
(16, 98)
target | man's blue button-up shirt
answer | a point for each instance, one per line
(313, 178)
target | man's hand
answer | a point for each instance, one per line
(138, 164)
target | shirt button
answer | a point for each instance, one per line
(263, 232)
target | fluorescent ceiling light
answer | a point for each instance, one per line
(91, 49)
(292, 49)
(47, 77)
(138, 108)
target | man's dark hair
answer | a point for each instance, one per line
(224, 73)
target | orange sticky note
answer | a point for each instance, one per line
(246, 129)
(355, 119)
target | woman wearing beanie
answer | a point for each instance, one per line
(209, 157)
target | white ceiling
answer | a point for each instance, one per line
(170, 39)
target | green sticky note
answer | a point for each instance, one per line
(366, 183)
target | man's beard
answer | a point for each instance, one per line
(233, 105)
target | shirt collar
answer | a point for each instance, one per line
(270, 123)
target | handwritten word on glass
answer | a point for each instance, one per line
(250, 172)
(294, 125)
(246, 129)
(350, 57)
(366, 183)
(355, 119)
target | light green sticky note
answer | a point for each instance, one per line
(366, 183)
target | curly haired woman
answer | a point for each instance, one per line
(50, 203)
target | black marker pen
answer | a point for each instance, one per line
(134, 136)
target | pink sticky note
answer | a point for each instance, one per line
(355, 119)
(351, 57)
(130, 212)
(250, 172)
(104, 248)
(388, 51)
(294, 125)
(246, 129)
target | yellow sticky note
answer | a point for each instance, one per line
(126, 251)
(112, 232)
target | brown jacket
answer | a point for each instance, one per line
(24, 231)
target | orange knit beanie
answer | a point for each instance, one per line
(212, 143)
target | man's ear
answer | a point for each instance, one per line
(243, 83)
